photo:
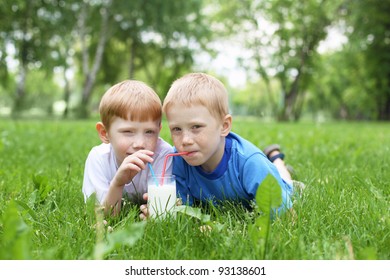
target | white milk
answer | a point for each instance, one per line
(161, 199)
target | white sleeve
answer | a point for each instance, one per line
(96, 177)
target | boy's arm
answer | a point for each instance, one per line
(130, 167)
(260, 166)
(112, 203)
(96, 177)
(97, 180)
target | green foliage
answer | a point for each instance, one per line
(370, 39)
(42, 187)
(256, 99)
(15, 238)
(193, 212)
(282, 37)
(268, 198)
(44, 57)
(340, 91)
(126, 237)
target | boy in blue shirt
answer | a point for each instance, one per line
(220, 165)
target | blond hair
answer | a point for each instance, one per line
(199, 89)
(130, 100)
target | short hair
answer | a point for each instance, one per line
(199, 89)
(130, 100)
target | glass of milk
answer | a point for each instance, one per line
(161, 196)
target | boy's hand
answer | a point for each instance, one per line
(144, 208)
(131, 165)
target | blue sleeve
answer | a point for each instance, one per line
(181, 175)
(255, 170)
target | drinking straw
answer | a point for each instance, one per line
(165, 163)
(153, 174)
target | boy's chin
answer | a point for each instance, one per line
(193, 162)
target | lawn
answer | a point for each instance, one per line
(342, 214)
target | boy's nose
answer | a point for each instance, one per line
(187, 138)
(139, 143)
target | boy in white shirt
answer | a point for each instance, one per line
(131, 114)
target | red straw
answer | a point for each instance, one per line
(165, 164)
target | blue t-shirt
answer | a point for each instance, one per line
(242, 168)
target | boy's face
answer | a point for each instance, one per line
(195, 130)
(127, 137)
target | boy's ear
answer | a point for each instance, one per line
(226, 125)
(103, 134)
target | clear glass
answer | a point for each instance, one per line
(161, 196)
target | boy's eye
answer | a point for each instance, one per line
(128, 132)
(196, 126)
(175, 129)
(150, 132)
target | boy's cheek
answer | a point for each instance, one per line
(176, 141)
(153, 144)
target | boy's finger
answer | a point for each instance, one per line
(135, 163)
(144, 209)
(145, 196)
(140, 157)
(144, 152)
(142, 217)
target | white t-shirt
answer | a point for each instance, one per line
(101, 167)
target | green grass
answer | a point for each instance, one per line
(343, 213)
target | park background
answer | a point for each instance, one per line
(311, 75)
(317, 59)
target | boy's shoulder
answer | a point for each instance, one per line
(242, 145)
(101, 149)
(245, 154)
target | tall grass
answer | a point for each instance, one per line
(342, 214)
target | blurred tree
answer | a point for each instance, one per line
(340, 87)
(368, 29)
(157, 39)
(353, 82)
(282, 37)
(63, 43)
(41, 32)
(151, 40)
(41, 95)
(93, 29)
(25, 28)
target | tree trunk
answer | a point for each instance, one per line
(20, 90)
(287, 111)
(90, 74)
(291, 98)
(66, 93)
(384, 114)
(20, 93)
